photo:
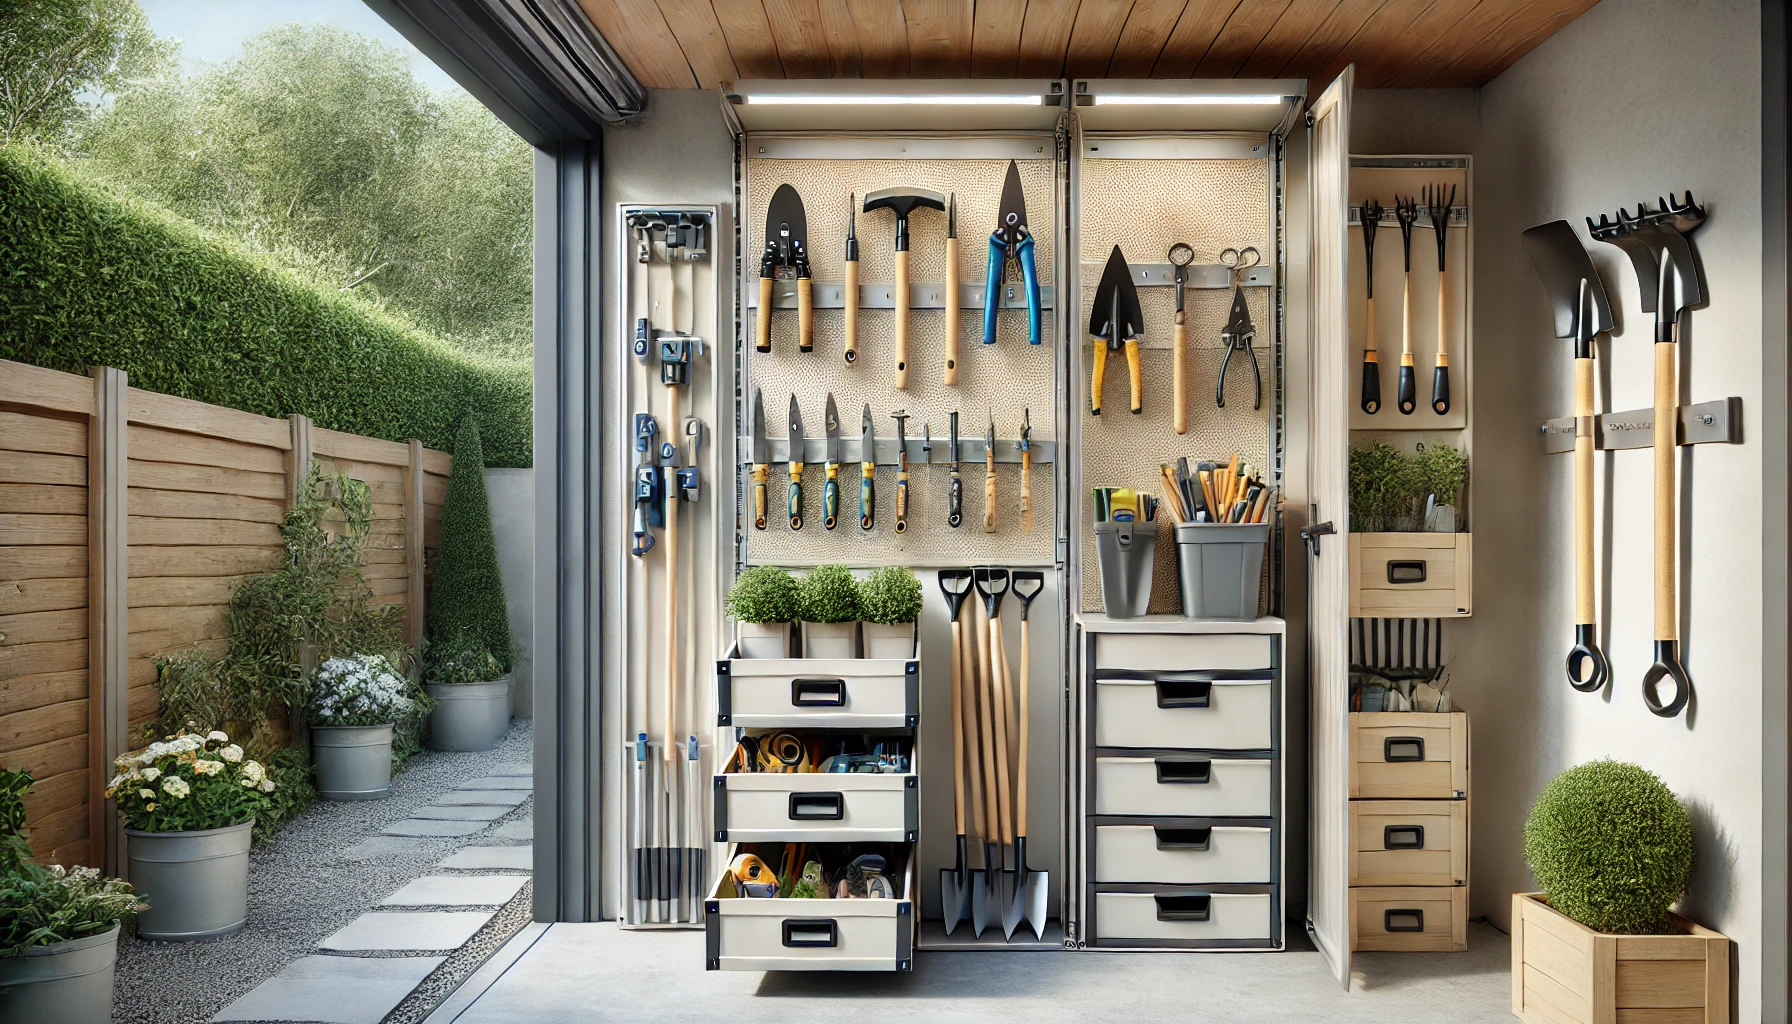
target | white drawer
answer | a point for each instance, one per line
(1192, 916)
(1185, 652)
(820, 693)
(809, 935)
(1183, 786)
(1182, 854)
(817, 808)
(1184, 712)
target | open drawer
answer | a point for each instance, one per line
(820, 693)
(1219, 917)
(780, 934)
(1191, 710)
(816, 807)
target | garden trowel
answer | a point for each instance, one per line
(1115, 319)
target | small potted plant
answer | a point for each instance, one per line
(355, 702)
(829, 606)
(58, 928)
(188, 804)
(890, 602)
(472, 695)
(763, 603)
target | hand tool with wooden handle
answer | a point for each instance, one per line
(1026, 471)
(955, 881)
(1371, 400)
(786, 257)
(1116, 320)
(1437, 205)
(1406, 399)
(989, 478)
(794, 459)
(760, 452)
(991, 585)
(955, 483)
(830, 490)
(1011, 243)
(867, 471)
(901, 417)
(1240, 332)
(1031, 885)
(950, 321)
(1181, 255)
(902, 202)
(851, 328)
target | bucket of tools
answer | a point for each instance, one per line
(1221, 565)
(1125, 551)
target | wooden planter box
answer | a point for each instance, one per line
(1566, 973)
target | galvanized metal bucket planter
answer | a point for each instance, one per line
(196, 883)
(69, 982)
(354, 762)
(469, 716)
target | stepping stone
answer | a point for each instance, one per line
(386, 931)
(449, 812)
(457, 891)
(523, 782)
(382, 848)
(426, 827)
(485, 858)
(514, 768)
(333, 989)
(521, 828)
(505, 797)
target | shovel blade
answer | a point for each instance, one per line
(955, 897)
(1562, 264)
(1116, 299)
(1028, 903)
(983, 908)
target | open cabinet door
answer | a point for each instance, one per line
(1328, 569)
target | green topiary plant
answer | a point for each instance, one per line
(890, 596)
(763, 594)
(829, 594)
(1611, 846)
(467, 594)
(1441, 470)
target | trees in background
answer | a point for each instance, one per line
(60, 59)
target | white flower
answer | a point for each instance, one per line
(253, 772)
(205, 767)
(232, 753)
(116, 779)
(176, 787)
(219, 736)
(267, 785)
(152, 773)
(147, 794)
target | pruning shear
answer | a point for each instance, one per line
(1011, 242)
(1239, 329)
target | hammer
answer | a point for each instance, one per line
(902, 202)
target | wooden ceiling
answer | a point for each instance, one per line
(692, 44)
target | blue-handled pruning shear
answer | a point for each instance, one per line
(1011, 242)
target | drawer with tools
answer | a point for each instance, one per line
(1185, 784)
(1408, 755)
(1207, 916)
(1408, 842)
(1191, 710)
(1158, 652)
(813, 907)
(1409, 918)
(1183, 851)
(818, 788)
(819, 693)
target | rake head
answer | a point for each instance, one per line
(1437, 206)
(1406, 212)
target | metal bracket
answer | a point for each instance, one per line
(1718, 422)
(969, 450)
(1458, 217)
(832, 295)
(1200, 275)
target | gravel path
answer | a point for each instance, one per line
(302, 888)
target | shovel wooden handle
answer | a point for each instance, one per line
(805, 314)
(1097, 374)
(1179, 375)
(986, 726)
(957, 728)
(1020, 799)
(901, 297)
(1406, 395)
(852, 312)
(950, 377)
(972, 765)
(1583, 491)
(1667, 625)
(999, 710)
(762, 326)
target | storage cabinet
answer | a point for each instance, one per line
(1408, 858)
(782, 934)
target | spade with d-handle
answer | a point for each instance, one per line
(1030, 886)
(988, 898)
(1582, 312)
(955, 882)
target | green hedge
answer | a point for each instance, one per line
(466, 598)
(89, 278)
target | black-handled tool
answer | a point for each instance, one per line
(830, 490)
(794, 459)
(1011, 242)
(1406, 392)
(786, 256)
(955, 486)
(1438, 206)
(1239, 332)
(901, 418)
(1371, 400)
(867, 471)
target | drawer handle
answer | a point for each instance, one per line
(1403, 921)
(817, 806)
(1403, 837)
(1189, 773)
(817, 693)
(1406, 571)
(811, 933)
(1197, 907)
(1395, 749)
(1184, 693)
(1183, 838)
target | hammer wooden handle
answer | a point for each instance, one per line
(989, 494)
(950, 377)
(762, 327)
(852, 311)
(901, 379)
(1179, 372)
(805, 314)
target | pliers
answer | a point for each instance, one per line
(1239, 330)
(1011, 242)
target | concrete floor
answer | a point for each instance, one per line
(597, 972)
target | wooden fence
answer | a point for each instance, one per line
(126, 518)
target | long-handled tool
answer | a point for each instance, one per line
(955, 887)
(949, 323)
(977, 813)
(794, 459)
(988, 899)
(1240, 332)
(1181, 255)
(902, 202)
(867, 471)
(643, 864)
(1026, 471)
(1406, 399)
(851, 327)
(1116, 320)
(989, 477)
(1437, 205)
(901, 418)
(830, 490)
(1011, 243)
(1031, 887)
(691, 886)
(1582, 312)
(954, 485)
(760, 452)
(786, 256)
(1371, 401)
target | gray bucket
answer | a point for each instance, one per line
(67, 982)
(354, 762)
(469, 716)
(1125, 552)
(196, 883)
(1222, 568)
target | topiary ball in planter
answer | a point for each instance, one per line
(763, 602)
(1611, 845)
(890, 602)
(829, 608)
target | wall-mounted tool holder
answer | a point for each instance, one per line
(1008, 451)
(1718, 422)
(922, 296)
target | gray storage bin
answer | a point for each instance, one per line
(1221, 566)
(1125, 552)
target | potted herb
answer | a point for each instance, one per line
(58, 928)
(890, 602)
(1441, 472)
(188, 804)
(355, 701)
(472, 695)
(763, 603)
(829, 606)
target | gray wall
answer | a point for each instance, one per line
(511, 495)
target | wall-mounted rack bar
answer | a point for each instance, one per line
(832, 295)
(1458, 217)
(969, 450)
(1200, 275)
(1718, 422)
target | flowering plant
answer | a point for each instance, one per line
(361, 689)
(40, 905)
(189, 782)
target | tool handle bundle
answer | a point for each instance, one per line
(1214, 492)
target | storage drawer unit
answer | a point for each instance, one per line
(1409, 918)
(1176, 652)
(1185, 710)
(1411, 575)
(1172, 916)
(1184, 784)
(1405, 755)
(820, 693)
(817, 807)
(1408, 842)
(809, 935)
(1175, 851)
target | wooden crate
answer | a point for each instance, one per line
(1380, 741)
(1566, 973)
(1411, 575)
(1409, 842)
(1409, 919)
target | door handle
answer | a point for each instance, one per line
(1311, 534)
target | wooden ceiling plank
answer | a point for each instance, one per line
(1238, 40)
(1328, 40)
(1540, 21)
(1092, 41)
(1045, 36)
(749, 35)
(883, 37)
(699, 35)
(1290, 32)
(995, 38)
(843, 39)
(939, 38)
(1389, 20)
(1478, 30)
(639, 34)
(1195, 31)
(797, 33)
(1148, 27)
(1438, 21)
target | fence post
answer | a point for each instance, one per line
(108, 628)
(298, 469)
(413, 549)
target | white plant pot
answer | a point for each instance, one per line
(891, 641)
(762, 639)
(830, 639)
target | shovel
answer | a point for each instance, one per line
(955, 888)
(1115, 319)
(1582, 312)
(988, 899)
(1030, 886)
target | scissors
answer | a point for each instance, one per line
(1239, 329)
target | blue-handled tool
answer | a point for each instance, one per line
(1011, 242)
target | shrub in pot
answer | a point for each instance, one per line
(829, 605)
(763, 602)
(188, 804)
(466, 594)
(472, 695)
(355, 701)
(889, 603)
